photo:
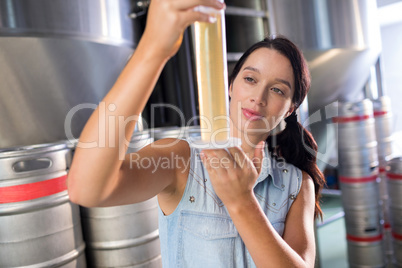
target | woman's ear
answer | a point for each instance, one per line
(290, 111)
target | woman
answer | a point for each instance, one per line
(229, 208)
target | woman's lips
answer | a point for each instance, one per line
(251, 115)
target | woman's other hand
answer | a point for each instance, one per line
(233, 174)
(167, 20)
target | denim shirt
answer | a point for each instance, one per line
(200, 232)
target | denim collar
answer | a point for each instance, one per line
(269, 170)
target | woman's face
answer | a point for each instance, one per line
(261, 94)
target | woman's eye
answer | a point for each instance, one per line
(249, 79)
(277, 90)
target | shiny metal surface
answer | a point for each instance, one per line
(246, 23)
(31, 229)
(357, 143)
(54, 56)
(366, 254)
(398, 251)
(176, 132)
(384, 128)
(395, 165)
(340, 39)
(363, 222)
(92, 20)
(48, 237)
(29, 163)
(124, 236)
(359, 196)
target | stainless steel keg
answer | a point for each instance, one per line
(357, 143)
(39, 227)
(365, 254)
(397, 236)
(124, 236)
(359, 185)
(394, 179)
(192, 132)
(383, 127)
(356, 125)
(359, 195)
(365, 237)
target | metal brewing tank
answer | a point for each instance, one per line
(39, 226)
(245, 24)
(55, 55)
(341, 41)
(339, 38)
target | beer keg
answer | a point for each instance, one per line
(124, 236)
(394, 179)
(39, 226)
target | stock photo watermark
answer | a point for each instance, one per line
(112, 130)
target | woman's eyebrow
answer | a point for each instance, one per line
(251, 69)
(283, 82)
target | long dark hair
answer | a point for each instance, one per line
(295, 144)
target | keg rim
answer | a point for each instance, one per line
(173, 132)
(34, 149)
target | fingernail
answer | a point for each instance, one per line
(261, 145)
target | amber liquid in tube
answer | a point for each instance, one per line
(211, 60)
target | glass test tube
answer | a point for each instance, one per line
(212, 75)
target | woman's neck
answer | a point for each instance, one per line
(248, 142)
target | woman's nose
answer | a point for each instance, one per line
(259, 98)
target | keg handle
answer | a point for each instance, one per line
(32, 164)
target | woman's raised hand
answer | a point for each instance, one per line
(167, 20)
(232, 173)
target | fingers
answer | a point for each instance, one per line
(193, 13)
(230, 160)
(192, 16)
(217, 160)
(240, 157)
(190, 4)
(234, 159)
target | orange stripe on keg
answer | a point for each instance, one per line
(357, 180)
(29, 191)
(393, 176)
(380, 113)
(341, 119)
(397, 236)
(363, 239)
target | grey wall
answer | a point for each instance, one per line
(391, 36)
